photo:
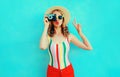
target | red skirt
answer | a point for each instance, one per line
(65, 72)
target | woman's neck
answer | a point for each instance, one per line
(58, 30)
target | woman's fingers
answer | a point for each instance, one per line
(77, 26)
(45, 18)
(46, 22)
(74, 22)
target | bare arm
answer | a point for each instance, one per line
(44, 38)
(85, 44)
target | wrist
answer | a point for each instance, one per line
(46, 27)
(80, 32)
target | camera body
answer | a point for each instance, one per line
(51, 17)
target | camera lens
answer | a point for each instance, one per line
(52, 17)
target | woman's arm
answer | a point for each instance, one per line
(44, 39)
(85, 44)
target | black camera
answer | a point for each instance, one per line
(51, 17)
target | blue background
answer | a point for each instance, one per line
(21, 27)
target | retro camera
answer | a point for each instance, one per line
(51, 17)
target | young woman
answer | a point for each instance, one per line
(57, 39)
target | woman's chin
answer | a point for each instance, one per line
(56, 25)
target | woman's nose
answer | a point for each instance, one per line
(56, 17)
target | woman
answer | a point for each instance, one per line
(57, 39)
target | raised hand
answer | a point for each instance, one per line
(46, 22)
(77, 26)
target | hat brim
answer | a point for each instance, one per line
(64, 10)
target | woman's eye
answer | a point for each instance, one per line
(60, 17)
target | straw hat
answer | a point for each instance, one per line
(66, 13)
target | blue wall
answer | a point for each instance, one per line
(21, 26)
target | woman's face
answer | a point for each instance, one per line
(58, 21)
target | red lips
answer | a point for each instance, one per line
(57, 22)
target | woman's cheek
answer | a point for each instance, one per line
(60, 22)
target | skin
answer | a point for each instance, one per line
(58, 37)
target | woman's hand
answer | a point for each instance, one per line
(46, 22)
(85, 44)
(77, 26)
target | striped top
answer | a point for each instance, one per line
(58, 53)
